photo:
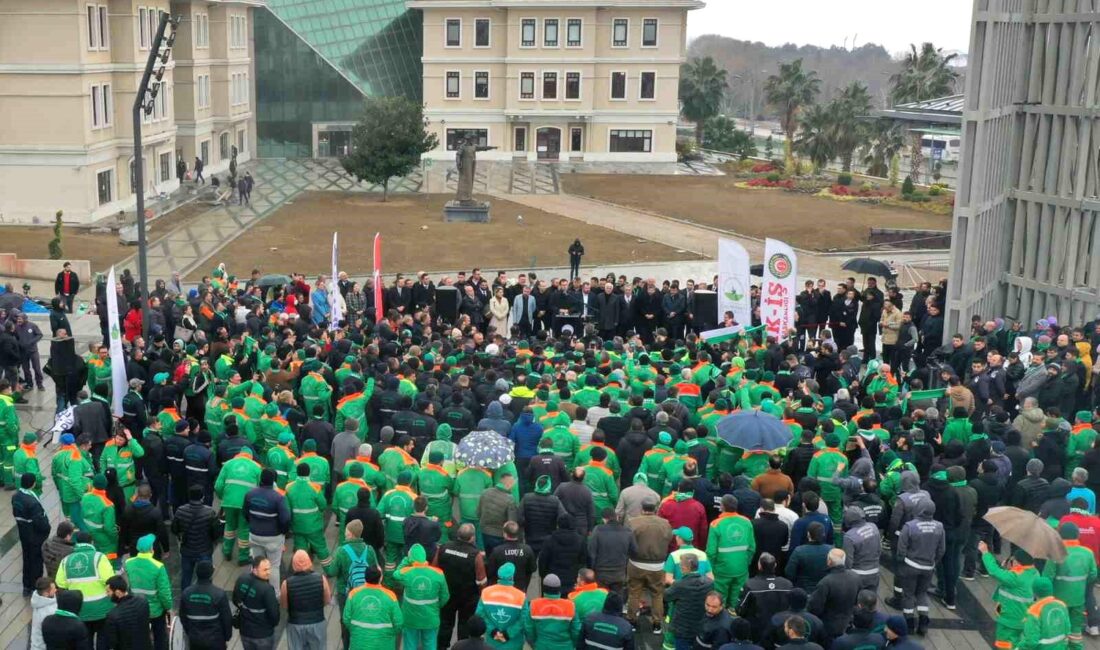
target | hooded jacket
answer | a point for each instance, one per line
(922, 542)
(862, 543)
(525, 435)
(41, 607)
(906, 506)
(539, 512)
(563, 553)
(494, 420)
(63, 629)
(948, 509)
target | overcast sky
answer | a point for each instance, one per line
(892, 23)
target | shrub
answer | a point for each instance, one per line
(844, 179)
(773, 177)
(916, 197)
(54, 246)
(935, 190)
(907, 186)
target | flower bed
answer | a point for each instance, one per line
(763, 183)
(763, 168)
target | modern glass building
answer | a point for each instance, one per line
(316, 60)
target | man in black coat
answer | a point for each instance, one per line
(563, 554)
(130, 617)
(609, 307)
(648, 313)
(608, 629)
(546, 463)
(869, 315)
(539, 512)
(689, 596)
(64, 630)
(196, 526)
(834, 598)
(34, 530)
(92, 417)
(67, 285)
(764, 596)
(204, 612)
(142, 518)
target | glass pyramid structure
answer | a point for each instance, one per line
(317, 59)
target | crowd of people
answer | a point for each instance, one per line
(253, 424)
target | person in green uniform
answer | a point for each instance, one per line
(353, 405)
(9, 431)
(566, 443)
(436, 486)
(731, 543)
(319, 470)
(307, 515)
(398, 459)
(148, 578)
(1081, 438)
(119, 452)
(271, 426)
(552, 622)
(217, 408)
(25, 461)
(600, 480)
(353, 553)
(653, 461)
(827, 464)
(445, 447)
(587, 596)
(468, 486)
(346, 495)
(424, 593)
(612, 461)
(87, 570)
(372, 614)
(237, 477)
(98, 513)
(316, 391)
(395, 506)
(1072, 579)
(504, 609)
(1013, 594)
(282, 460)
(1046, 622)
(71, 470)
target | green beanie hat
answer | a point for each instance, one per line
(664, 437)
(271, 409)
(1084, 416)
(1069, 530)
(507, 572)
(532, 381)
(542, 485)
(160, 378)
(417, 554)
(831, 440)
(641, 477)
(309, 445)
(237, 403)
(145, 543)
(285, 438)
(256, 389)
(435, 457)
(1023, 557)
(1042, 587)
(191, 349)
(29, 438)
(99, 482)
(355, 471)
(247, 450)
(404, 477)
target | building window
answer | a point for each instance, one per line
(104, 183)
(238, 31)
(202, 90)
(527, 85)
(166, 167)
(618, 85)
(201, 28)
(93, 27)
(648, 86)
(454, 136)
(549, 85)
(637, 141)
(527, 32)
(649, 32)
(576, 139)
(143, 28)
(521, 138)
(99, 28)
(550, 32)
(481, 32)
(238, 89)
(102, 106)
(572, 85)
(241, 141)
(204, 151)
(104, 29)
(160, 105)
(223, 146)
(453, 84)
(454, 32)
(620, 30)
(573, 32)
(481, 85)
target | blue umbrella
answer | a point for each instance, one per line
(754, 431)
(486, 449)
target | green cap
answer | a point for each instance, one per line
(309, 445)
(99, 482)
(285, 438)
(29, 438)
(684, 533)
(145, 543)
(664, 437)
(507, 572)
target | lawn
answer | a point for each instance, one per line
(803, 220)
(296, 238)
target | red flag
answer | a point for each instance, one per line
(377, 277)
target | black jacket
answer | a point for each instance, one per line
(538, 515)
(630, 451)
(763, 597)
(771, 535)
(196, 526)
(948, 509)
(373, 529)
(563, 554)
(989, 494)
(576, 498)
(30, 517)
(93, 417)
(199, 602)
(520, 555)
(547, 464)
(834, 599)
(142, 518)
(421, 530)
(615, 428)
(798, 461)
(597, 630)
(65, 632)
(130, 614)
(689, 594)
(259, 606)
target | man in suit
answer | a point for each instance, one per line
(524, 310)
(423, 293)
(627, 309)
(609, 306)
(398, 297)
(584, 304)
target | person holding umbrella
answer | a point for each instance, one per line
(1013, 594)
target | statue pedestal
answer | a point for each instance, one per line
(467, 211)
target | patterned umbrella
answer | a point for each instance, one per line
(487, 449)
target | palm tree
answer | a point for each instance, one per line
(849, 111)
(702, 86)
(817, 136)
(924, 75)
(789, 91)
(887, 140)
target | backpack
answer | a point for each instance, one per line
(357, 570)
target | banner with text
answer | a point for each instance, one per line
(334, 287)
(119, 385)
(377, 277)
(734, 280)
(777, 295)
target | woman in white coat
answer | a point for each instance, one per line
(498, 312)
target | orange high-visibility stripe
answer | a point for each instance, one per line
(348, 398)
(580, 589)
(554, 608)
(380, 588)
(503, 596)
(1036, 608)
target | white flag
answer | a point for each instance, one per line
(777, 295)
(334, 290)
(118, 359)
(734, 281)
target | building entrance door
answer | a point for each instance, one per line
(548, 141)
(333, 144)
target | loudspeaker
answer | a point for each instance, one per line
(446, 303)
(706, 311)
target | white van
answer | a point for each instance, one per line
(940, 147)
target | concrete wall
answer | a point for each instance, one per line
(13, 266)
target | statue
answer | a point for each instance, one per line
(466, 163)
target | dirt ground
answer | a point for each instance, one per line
(804, 221)
(101, 249)
(296, 238)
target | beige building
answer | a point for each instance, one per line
(69, 70)
(555, 79)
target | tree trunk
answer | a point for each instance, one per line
(788, 154)
(916, 157)
(699, 134)
(385, 190)
(846, 162)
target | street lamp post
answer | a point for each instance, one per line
(144, 102)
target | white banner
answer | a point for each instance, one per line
(734, 281)
(334, 289)
(778, 292)
(118, 359)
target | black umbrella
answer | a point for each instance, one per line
(273, 280)
(868, 266)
